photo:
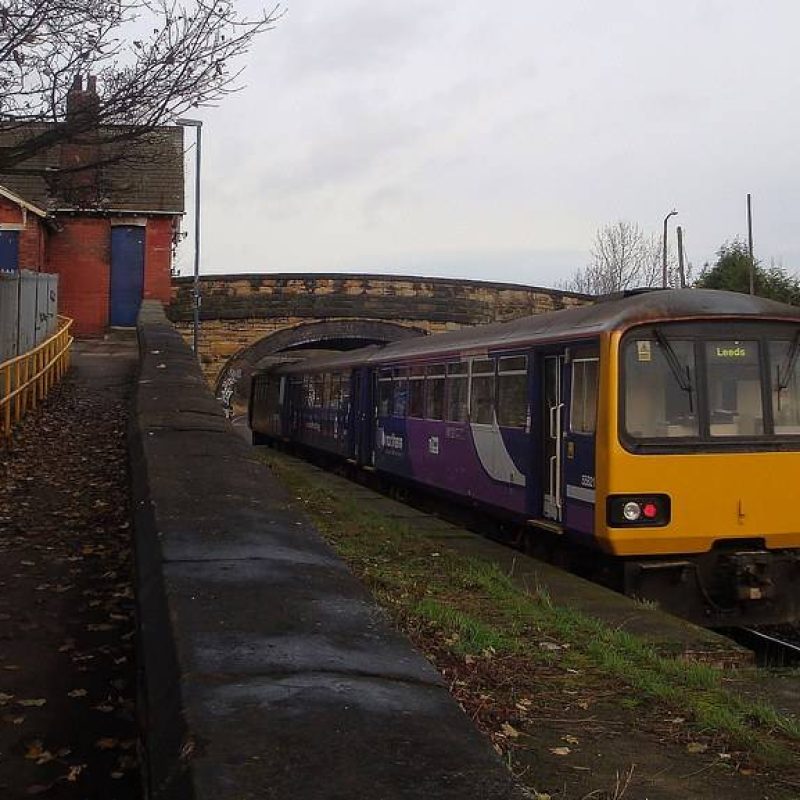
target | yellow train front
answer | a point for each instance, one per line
(698, 457)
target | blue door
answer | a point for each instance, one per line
(9, 251)
(127, 274)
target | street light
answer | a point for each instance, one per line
(664, 253)
(198, 126)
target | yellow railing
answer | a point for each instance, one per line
(26, 379)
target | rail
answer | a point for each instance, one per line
(26, 379)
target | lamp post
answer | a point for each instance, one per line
(664, 252)
(198, 126)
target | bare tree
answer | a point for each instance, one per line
(623, 256)
(152, 60)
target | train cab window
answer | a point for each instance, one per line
(416, 392)
(734, 388)
(434, 391)
(583, 403)
(385, 393)
(660, 388)
(784, 358)
(457, 392)
(512, 391)
(482, 387)
(400, 392)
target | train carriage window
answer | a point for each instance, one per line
(512, 391)
(481, 393)
(660, 388)
(457, 392)
(385, 393)
(400, 391)
(785, 367)
(335, 390)
(434, 391)
(583, 403)
(416, 392)
(734, 388)
(344, 392)
(308, 391)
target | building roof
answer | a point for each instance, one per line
(144, 174)
(9, 195)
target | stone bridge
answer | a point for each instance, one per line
(250, 320)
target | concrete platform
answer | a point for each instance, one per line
(267, 670)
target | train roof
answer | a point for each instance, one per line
(568, 324)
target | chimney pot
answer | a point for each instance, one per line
(91, 83)
(77, 82)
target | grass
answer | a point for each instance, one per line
(479, 610)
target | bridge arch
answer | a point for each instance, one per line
(233, 379)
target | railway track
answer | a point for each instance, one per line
(774, 649)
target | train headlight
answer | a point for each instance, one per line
(631, 511)
(638, 511)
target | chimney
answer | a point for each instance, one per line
(80, 151)
(83, 105)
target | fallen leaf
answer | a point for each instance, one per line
(570, 739)
(74, 773)
(36, 703)
(560, 751)
(509, 730)
(34, 750)
(106, 743)
(77, 693)
(696, 747)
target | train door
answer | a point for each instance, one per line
(363, 416)
(553, 436)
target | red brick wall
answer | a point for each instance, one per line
(32, 238)
(158, 259)
(81, 253)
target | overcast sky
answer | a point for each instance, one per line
(490, 140)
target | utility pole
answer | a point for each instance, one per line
(681, 270)
(664, 254)
(196, 298)
(750, 246)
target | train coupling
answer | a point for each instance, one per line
(722, 588)
(750, 574)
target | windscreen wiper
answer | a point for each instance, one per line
(791, 360)
(683, 380)
(783, 377)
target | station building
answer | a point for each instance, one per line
(102, 210)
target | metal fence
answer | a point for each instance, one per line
(26, 379)
(28, 311)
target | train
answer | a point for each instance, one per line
(656, 434)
